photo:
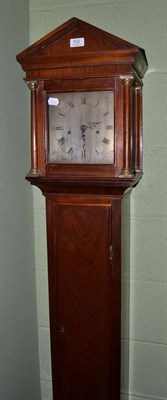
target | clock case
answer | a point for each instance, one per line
(85, 206)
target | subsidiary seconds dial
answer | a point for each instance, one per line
(81, 127)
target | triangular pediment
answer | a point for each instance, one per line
(77, 42)
(58, 41)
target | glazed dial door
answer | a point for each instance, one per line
(81, 127)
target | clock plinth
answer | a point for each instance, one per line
(86, 155)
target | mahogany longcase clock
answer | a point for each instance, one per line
(86, 154)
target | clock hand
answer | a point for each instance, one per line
(92, 125)
(83, 129)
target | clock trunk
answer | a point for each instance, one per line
(84, 297)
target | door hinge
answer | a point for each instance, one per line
(111, 252)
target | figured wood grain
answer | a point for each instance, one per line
(82, 237)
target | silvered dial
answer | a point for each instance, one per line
(81, 127)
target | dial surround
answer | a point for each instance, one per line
(81, 127)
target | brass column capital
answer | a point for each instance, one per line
(137, 89)
(127, 79)
(32, 85)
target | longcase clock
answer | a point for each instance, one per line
(86, 155)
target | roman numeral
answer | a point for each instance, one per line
(106, 141)
(71, 104)
(70, 150)
(106, 113)
(61, 140)
(109, 127)
(83, 99)
(59, 128)
(63, 115)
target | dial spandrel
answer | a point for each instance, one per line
(81, 127)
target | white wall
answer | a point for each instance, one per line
(19, 369)
(142, 22)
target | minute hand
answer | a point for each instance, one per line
(92, 125)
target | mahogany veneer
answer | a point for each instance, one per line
(83, 204)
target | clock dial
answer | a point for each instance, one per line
(81, 127)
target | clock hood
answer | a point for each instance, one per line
(77, 44)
